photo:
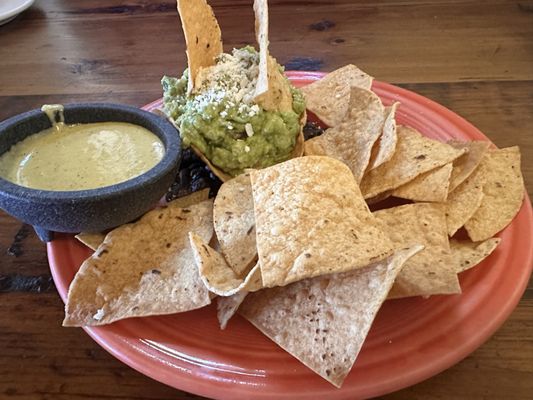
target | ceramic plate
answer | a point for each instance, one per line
(411, 339)
(9, 9)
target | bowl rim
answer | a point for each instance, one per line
(172, 153)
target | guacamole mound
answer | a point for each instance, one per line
(222, 120)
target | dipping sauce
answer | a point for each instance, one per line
(83, 156)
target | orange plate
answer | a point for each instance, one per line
(411, 339)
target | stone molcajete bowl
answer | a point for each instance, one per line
(91, 210)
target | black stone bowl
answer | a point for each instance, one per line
(91, 210)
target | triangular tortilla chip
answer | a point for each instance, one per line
(352, 140)
(463, 202)
(227, 307)
(144, 268)
(272, 91)
(468, 162)
(324, 321)
(379, 197)
(430, 271)
(504, 193)
(234, 220)
(328, 98)
(93, 240)
(279, 96)
(384, 148)
(261, 35)
(215, 272)
(202, 36)
(414, 155)
(468, 254)
(429, 186)
(312, 220)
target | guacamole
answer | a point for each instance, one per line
(222, 120)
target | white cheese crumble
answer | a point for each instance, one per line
(249, 129)
(99, 314)
(232, 80)
(247, 149)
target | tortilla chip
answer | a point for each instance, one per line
(279, 96)
(261, 35)
(227, 307)
(352, 140)
(468, 254)
(328, 97)
(215, 272)
(144, 268)
(312, 220)
(504, 193)
(202, 36)
(384, 148)
(464, 201)
(379, 197)
(414, 155)
(234, 220)
(430, 186)
(324, 321)
(468, 162)
(91, 240)
(191, 199)
(272, 90)
(430, 271)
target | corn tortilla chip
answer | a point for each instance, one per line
(324, 321)
(234, 220)
(202, 36)
(430, 271)
(414, 155)
(328, 98)
(384, 148)
(91, 240)
(468, 254)
(468, 162)
(144, 268)
(352, 140)
(379, 197)
(430, 186)
(215, 272)
(227, 307)
(300, 206)
(504, 193)
(463, 202)
(278, 97)
(261, 35)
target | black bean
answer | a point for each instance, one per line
(311, 130)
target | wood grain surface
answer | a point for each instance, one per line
(474, 57)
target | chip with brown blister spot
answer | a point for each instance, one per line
(328, 98)
(323, 321)
(414, 155)
(300, 205)
(431, 271)
(503, 190)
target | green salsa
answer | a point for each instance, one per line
(223, 122)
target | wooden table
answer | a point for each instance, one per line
(475, 59)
